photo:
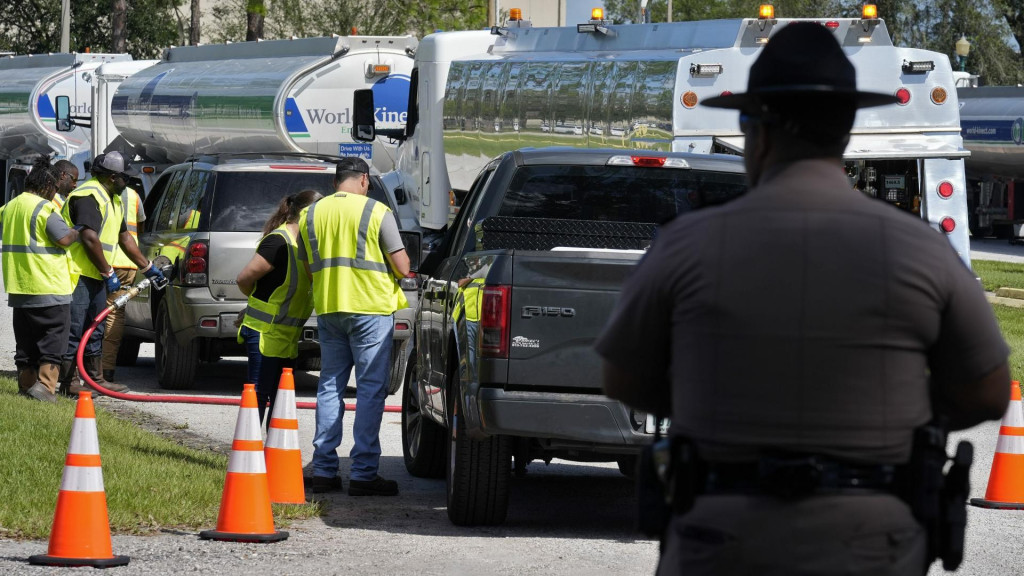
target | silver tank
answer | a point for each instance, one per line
(992, 123)
(272, 96)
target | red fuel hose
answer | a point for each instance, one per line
(119, 303)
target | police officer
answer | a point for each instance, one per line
(799, 335)
(353, 249)
(95, 208)
(280, 300)
(126, 270)
(38, 279)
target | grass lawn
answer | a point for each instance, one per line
(995, 275)
(150, 481)
(1011, 321)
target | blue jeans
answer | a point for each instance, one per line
(346, 341)
(264, 372)
(87, 301)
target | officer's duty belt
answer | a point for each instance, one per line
(797, 477)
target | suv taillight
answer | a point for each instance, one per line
(495, 312)
(196, 264)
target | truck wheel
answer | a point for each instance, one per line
(128, 352)
(422, 439)
(175, 364)
(477, 473)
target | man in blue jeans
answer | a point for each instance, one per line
(355, 255)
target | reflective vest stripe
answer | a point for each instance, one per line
(32, 249)
(270, 319)
(130, 202)
(359, 262)
(110, 226)
(32, 262)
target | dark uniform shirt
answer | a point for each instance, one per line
(803, 316)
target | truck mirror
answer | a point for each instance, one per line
(363, 128)
(413, 241)
(64, 123)
(400, 196)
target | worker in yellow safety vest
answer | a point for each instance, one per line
(355, 255)
(39, 280)
(280, 300)
(95, 208)
(126, 270)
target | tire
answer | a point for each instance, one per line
(477, 472)
(128, 352)
(308, 363)
(175, 364)
(394, 381)
(423, 440)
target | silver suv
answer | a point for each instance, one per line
(206, 216)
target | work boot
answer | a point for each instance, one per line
(41, 393)
(108, 375)
(376, 487)
(70, 385)
(49, 376)
(26, 379)
(94, 368)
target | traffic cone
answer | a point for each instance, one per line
(284, 458)
(81, 528)
(245, 514)
(1006, 480)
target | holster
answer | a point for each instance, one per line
(937, 496)
(669, 476)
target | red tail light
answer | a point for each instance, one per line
(196, 264)
(495, 312)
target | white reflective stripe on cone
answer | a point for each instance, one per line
(1010, 444)
(284, 405)
(83, 437)
(1014, 416)
(248, 425)
(82, 479)
(283, 439)
(247, 462)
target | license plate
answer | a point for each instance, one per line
(650, 424)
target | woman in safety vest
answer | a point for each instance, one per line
(280, 300)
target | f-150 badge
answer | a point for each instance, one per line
(551, 311)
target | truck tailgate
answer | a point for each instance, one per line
(561, 301)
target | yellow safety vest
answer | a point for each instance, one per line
(130, 200)
(471, 293)
(58, 200)
(33, 264)
(350, 272)
(110, 210)
(280, 319)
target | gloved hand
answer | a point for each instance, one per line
(154, 274)
(113, 282)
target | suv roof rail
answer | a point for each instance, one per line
(225, 157)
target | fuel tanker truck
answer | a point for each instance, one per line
(279, 96)
(992, 119)
(29, 88)
(478, 94)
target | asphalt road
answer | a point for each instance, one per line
(564, 518)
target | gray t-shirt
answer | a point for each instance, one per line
(803, 316)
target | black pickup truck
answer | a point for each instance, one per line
(528, 273)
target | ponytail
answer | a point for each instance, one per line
(289, 208)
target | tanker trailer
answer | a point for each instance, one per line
(29, 87)
(992, 122)
(278, 96)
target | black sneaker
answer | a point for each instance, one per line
(321, 484)
(376, 487)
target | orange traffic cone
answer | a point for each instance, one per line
(284, 458)
(245, 514)
(81, 529)
(1006, 480)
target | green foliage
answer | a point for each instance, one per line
(305, 18)
(34, 27)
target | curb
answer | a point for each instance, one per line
(1015, 301)
(1010, 293)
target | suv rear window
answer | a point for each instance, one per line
(616, 193)
(243, 201)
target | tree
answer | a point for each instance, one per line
(193, 29)
(33, 27)
(255, 14)
(118, 23)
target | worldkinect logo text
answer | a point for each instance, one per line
(324, 116)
